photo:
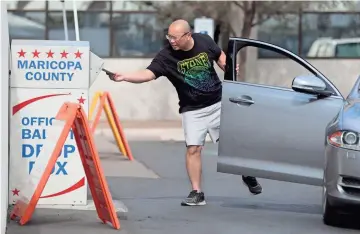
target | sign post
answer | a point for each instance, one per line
(44, 75)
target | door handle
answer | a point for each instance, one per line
(242, 100)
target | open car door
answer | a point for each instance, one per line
(275, 132)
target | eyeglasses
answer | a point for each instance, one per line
(169, 37)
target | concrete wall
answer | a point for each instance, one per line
(155, 100)
(4, 99)
(158, 100)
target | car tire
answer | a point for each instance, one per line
(331, 217)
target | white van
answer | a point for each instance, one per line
(335, 48)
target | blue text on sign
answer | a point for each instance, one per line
(33, 150)
(59, 168)
(54, 75)
(39, 134)
(49, 65)
(37, 121)
(29, 151)
(57, 76)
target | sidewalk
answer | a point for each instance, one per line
(146, 130)
(59, 219)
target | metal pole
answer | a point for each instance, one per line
(65, 21)
(76, 21)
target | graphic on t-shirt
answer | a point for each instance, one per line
(197, 72)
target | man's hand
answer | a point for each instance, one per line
(222, 61)
(119, 77)
(135, 77)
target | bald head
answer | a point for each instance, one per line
(180, 26)
(179, 35)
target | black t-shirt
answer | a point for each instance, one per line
(191, 72)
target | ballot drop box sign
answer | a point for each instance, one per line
(50, 64)
(44, 75)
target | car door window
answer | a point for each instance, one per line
(348, 50)
(279, 74)
(272, 72)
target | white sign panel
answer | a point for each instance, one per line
(33, 135)
(205, 26)
(50, 64)
(28, 184)
(96, 65)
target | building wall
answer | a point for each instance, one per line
(158, 100)
(129, 35)
(4, 119)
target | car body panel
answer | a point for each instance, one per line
(341, 171)
(280, 136)
(342, 165)
(292, 134)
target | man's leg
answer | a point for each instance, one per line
(214, 132)
(195, 132)
(193, 165)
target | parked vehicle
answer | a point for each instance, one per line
(306, 134)
(335, 48)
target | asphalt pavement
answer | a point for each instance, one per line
(153, 186)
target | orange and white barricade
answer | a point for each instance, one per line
(71, 119)
(105, 102)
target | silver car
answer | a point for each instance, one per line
(308, 134)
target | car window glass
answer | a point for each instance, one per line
(278, 71)
(348, 50)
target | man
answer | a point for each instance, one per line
(187, 61)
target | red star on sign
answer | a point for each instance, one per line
(64, 54)
(15, 192)
(35, 54)
(78, 54)
(81, 100)
(50, 54)
(22, 53)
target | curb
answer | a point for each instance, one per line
(119, 206)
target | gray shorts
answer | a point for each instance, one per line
(198, 123)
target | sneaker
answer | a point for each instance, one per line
(194, 199)
(253, 185)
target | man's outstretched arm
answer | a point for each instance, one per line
(135, 77)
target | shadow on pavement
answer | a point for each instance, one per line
(296, 208)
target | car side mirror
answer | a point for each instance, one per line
(310, 85)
